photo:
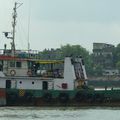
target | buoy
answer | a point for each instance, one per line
(12, 72)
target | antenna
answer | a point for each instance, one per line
(29, 12)
(6, 35)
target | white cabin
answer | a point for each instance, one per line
(74, 75)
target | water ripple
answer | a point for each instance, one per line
(39, 113)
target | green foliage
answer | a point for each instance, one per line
(117, 54)
(98, 70)
(74, 50)
(118, 65)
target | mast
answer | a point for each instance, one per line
(17, 5)
(13, 25)
(14, 16)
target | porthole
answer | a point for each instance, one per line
(33, 83)
(20, 82)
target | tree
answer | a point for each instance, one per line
(118, 65)
(98, 70)
(74, 50)
(116, 54)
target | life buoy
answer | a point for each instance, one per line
(63, 97)
(12, 72)
(47, 97)
(29, 73)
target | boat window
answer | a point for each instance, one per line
(8, 83)
(45, 85)
(32, 82)
(1, 67)
(18, 64)
(12, 64)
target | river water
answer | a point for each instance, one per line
(38, 113)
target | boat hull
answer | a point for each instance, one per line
(62, 98)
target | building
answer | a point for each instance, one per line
(103, 55)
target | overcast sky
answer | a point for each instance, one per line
(59, 22)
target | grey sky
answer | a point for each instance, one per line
(57, 22)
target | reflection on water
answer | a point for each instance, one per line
(68, 113)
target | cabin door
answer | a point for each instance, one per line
(8, 83)
(45, 85)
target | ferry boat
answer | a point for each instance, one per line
(27, 80)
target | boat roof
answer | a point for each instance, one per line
(4, 57)
(50, 61)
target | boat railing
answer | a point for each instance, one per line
(1, 51)
(35, 54)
